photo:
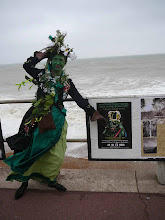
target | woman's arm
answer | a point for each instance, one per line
(84, 104)
(29, 65)
(81, 102)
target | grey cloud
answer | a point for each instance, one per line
(95, 28)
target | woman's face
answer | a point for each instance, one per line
(58, 63)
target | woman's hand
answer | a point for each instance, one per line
(97, 116)
(40, 55)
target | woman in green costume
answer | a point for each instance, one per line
(45, 122)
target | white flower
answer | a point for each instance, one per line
(52, 90)
(45, 89)
(66, 52)
(53, 80)
(63, 48)
(72, 56)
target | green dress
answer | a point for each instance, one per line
(40, 160)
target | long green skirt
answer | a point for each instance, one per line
(43, 159)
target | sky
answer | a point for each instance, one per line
(95, 28)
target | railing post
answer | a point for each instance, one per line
(161, 172)
(2, 149)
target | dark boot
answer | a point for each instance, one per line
(21, 190)
(58, 186)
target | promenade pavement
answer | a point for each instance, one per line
(127, 190)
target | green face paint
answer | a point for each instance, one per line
(58, 63)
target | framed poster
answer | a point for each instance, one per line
(117, 134)
(128, 133)
(153, 127)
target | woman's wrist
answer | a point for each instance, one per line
(40, 55)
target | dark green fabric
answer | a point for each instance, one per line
(35, 176)
(41, 143)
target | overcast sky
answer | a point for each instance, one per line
(95, 28)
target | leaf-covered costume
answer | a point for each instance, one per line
(44, 156)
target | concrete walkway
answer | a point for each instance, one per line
(139, 179)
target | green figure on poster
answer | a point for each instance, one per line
(114, 127)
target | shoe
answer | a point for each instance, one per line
(58, 186)
(21, 190)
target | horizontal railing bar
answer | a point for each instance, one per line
(76, 140)
(68, 140)
(25, 101)
(126, 96)
(70, 99)
(15, 101)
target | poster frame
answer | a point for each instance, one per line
(89, 144)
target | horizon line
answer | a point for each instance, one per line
(83, 58)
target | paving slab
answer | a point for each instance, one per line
(83, 180)
(97, 180)
(148, 183)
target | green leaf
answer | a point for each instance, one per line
(47, 108)
(30, 87)
(28, 122)
(37, 103)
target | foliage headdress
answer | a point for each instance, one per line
(57, 46)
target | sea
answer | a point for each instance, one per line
(141, 75)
